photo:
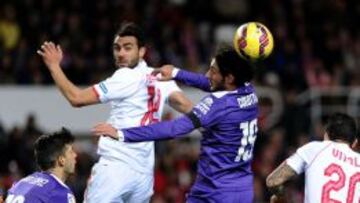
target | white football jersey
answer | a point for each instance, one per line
(136, 99)
(332, 172)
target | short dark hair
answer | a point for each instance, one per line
(343, 127)
(230, 62)
(131, 29)
(49, 147)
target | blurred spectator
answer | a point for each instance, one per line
(319, 49)
(9, 28)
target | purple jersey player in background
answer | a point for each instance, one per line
(228, 121)
(56, 158)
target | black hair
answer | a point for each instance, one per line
(131, 29)
(49, 147)
(229, 62)
(341, 127)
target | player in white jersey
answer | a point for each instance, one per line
(124, 172)
(331, 167)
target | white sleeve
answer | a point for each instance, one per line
(168, 88)
(296, 163)
(304, 156)
(123, 83)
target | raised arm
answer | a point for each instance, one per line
(52, 56)
(169, 72)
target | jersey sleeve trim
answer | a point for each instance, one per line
(194, 119)
(96, 92)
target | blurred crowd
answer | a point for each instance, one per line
(317, 44)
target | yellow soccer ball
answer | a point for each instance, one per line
(253, 41)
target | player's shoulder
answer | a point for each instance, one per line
(315, 145)
(210, 102)
(38, 179)
(313, 148)
(60, 192)
(37, 185)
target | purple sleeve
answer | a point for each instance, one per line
(204, 114)
(194, 80)
(160, 131)
(58, 198)
(209, 111)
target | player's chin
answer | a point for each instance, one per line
(122, 65)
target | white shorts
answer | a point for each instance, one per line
(118, 183)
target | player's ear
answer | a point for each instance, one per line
(61, 160)
(355, 145)
(230, 79)
(142, 51)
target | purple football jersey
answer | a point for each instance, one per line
(40, 187)
(228, 123)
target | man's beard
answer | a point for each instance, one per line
(132, 64)
(220, 86)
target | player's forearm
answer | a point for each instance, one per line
(179, 102)
(276, 180)
(193, 79)
(159, 131)
(67, 88)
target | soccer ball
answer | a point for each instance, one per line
(253, 41)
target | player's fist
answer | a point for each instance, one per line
(164, 73)
(51, 54)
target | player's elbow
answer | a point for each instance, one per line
(76, 102)
(180, 103)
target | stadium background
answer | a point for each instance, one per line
(313, 71)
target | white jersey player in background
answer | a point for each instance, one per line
(331, 167)
(124, 172)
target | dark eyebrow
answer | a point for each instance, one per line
(127, 44)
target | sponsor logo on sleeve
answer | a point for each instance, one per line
(103, 88)
(204, 105)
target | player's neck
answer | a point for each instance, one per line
(230, 87)
(59, 173)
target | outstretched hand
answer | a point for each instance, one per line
(51, 54)
(105, 129)
(165, 72)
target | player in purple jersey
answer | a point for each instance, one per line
(228, 121)
(56, 158)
